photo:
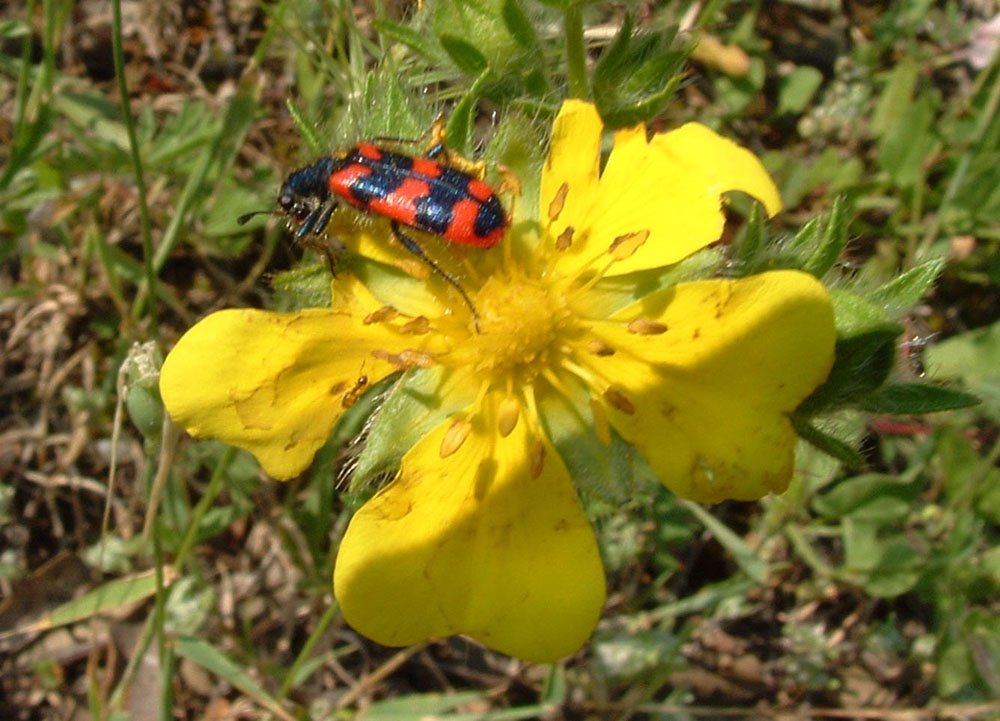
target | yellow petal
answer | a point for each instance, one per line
(275, 384)
(669, 188)
(489, 541)
(704, 374)
(569, 176)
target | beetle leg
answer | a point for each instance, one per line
(411, 245)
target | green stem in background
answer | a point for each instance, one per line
(147, 238)
(576, 53)
(314, 637)
(201, 508)
(22, 78)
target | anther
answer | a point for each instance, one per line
(599, 348)
(454, 437)
(565, 239)
(616, 400)
(386, 312)
(624, 246)
(417, 326)
(645, 326)
(537, 460)
(556, 206)
(507, 415)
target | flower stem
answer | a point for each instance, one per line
(576, 53)
(140, 182)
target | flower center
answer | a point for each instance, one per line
(520, 321)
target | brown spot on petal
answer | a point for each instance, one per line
(386, 312)
(624, 246)
(645, 326)
(454, 437)
(507, 415)
(417, 326)
(556, 206)
(338, 388)
(565, 239)
(599, 348)
(616, 400)
(537, 459)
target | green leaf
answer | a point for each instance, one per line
(916, 398)
(972, 357)
(871, 496)
(797, 89)
(830, 445)
(409, 37)
(112, 596)
(418, 706)
(895, 98)
(907, 143)
(519, 25)
(211, 659)
(897, 571)
(466, 56)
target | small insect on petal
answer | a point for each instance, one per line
(507, 415)
(624, 246)
(645, 326)
(618, 401)
(556, 206)
(406, 359)
(454, 437)
(537, 459)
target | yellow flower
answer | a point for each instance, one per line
(481, 531)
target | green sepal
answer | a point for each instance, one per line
(862, 364)
(411, 38)
(916, 399)
(825, 442)
(636, 75)
(411, 409)
(607, 472)
(899, 295)
(305, 286)
(828, 246)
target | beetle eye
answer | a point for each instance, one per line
(302, 212)
(286, 201)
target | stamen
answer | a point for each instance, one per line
(599, 348)
(537, 459)
(507, 415)
(417, 326)
(407, 358)
(386, 312)
(565, 239)
(454, 437)
(558, 202)
(619, 401)
(645, 326)
(624, 246)
(601, 427)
